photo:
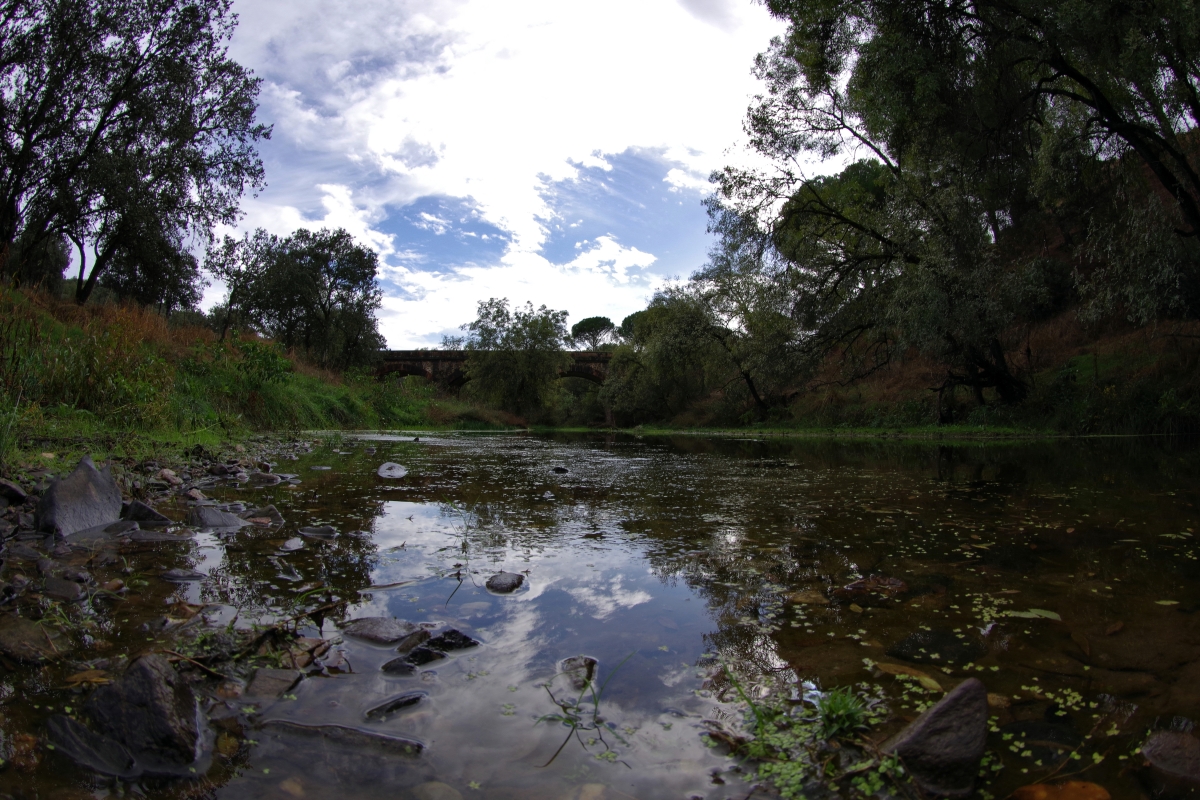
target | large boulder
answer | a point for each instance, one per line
(84, 499)
(942, 748)
(152, 712)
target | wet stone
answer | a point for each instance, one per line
(394, 705)
(63, 589)
(209, 517)
(90, 749)
(1171, 765)
(152, 712)
(417, 637)
(938, 647)
(143, 514)
(942, 748)
(505, 582)
(451, 640)
(103, 533)
(263, 479)
(325, 532)
(1049, 741)
(84, 499)
(421, 656)
(11, 492)
(269, 683)
(380, 630)
(22, 552)
(178, 575)
(391, 471)
(268, 512)
(291, 545)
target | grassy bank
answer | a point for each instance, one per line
(124, 379)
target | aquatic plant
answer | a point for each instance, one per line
(840, 713)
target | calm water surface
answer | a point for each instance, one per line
(1063, 575)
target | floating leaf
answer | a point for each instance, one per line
(856, 608)
(1071, 790)
(1166, 602)
(1034, 613)
(923, 678)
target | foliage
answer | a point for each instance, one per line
(121, 120)
(592, 332)
(515, 356)
(313, 292)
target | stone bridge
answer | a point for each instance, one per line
(448, 367)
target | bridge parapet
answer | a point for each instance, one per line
(448, 367)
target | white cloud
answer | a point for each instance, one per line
(392, 100)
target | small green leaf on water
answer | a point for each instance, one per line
(475, 785)
(664, 648)
(1167, 602)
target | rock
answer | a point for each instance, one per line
(937, 647)
(879, 587)
(390, 470)
(84, 499)
(22, 640)
(263, 478)
(143, 514)
(360, 740)
(1050, 740)
(89, 537)
(159, 536)
(22, 552)
(269, 513)
(381, 630)
(561, 470)
(153, 713)
(399, 666)
(63, 589)
(11, 492)
(177, 575)
(423, 655)
(417, 637)
(169, 477)
(394, 705)
(271, 682)
(1171, 765)
(325, 532)
(435, 790)
(942, 748)
(90, 749)
(1070, 790)
(209, 517)
(505, 582)
(579, 671)
(451, 640)
(292, 545)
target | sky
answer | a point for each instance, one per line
(539, 150)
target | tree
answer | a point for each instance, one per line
(515, 356)
(315, 292)
(116, 112)
(593, 332)
(156, 270)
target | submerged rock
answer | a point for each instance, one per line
(390, 470)
(22, 640)
(450, 640)
(938, 647)
(1171, 764)
(209, 517)
(579, 671)
(152, 712)
(879, 587)
(178, 575)
(264, 478)
(394, 705)
(417, 637)
(266, 515)
(63, 589)
(90, 749)
(271, 682)
(324, 532)
(353, 737)
(505, 582)
(84, 499)
(99, 534)
(942, 748)
(1049, 740)
(380, 630)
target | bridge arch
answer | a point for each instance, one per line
(449, 366)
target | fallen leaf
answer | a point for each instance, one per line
(1081, 640)
(89, 676)
(1034, 613)
(1166, 602)
(1070, 530)
(1071, 790)
(1114, 628)
(998, 700)
(923, 678)
(856, 608)
(809, 598)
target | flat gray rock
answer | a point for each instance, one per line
(84, 499)
(381, 630)
(264, 478)
(291, 545)
(270, 683)
(209, 517)
(391, 470)
(63, 589)
(143, 514)
(942, 748)
(269, 512)
(1171, 764)
(505, 582)
(178, 575)
(103, 533)
(324, 532)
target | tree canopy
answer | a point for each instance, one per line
(592, 332)
(515, 355)
(122, 120)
